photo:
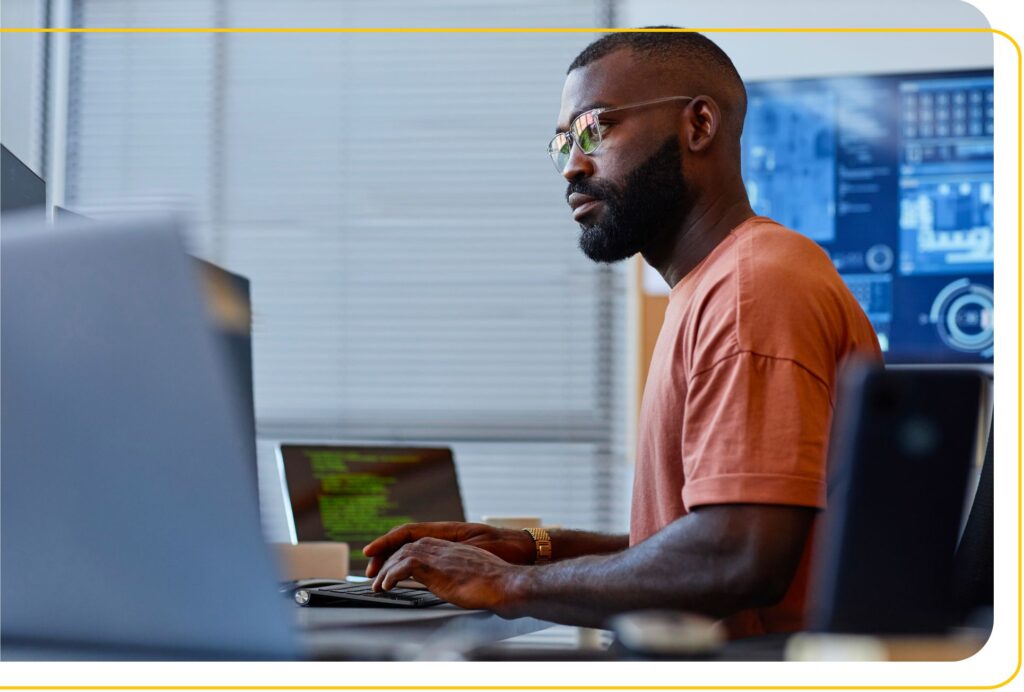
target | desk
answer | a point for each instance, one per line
(376, 634)
(337, 634)
(771, 647)
(450, 633)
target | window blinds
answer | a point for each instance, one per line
(415, 275)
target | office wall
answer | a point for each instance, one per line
(771, 55)
(20, 82)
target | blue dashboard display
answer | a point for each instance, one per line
(892, 176)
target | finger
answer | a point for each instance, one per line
(412, 560)
(373, 566)
(387, 566)
(402, 570)
(407, 533)
(388, 542)
(394, 572)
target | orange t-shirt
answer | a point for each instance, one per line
(739, 395)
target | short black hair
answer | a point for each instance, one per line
(675, 49)
(667, 45)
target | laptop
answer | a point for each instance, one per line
(356, 493)
(128, 518)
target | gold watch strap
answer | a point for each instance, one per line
(543, 543)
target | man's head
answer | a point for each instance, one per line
(654, 161)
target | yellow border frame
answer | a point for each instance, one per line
(492, 30)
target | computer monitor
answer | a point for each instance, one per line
(893, 176)
(228, 304)
(357, 493)
(20, 187)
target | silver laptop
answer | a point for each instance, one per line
(129, 525)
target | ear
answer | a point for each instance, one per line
(701, 119)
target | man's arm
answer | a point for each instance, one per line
(567, 543)
(716, 560)
(511, 545)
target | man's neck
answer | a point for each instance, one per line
(703, 228)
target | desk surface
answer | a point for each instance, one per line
(449, 633)
(368, 634)
(440, 632)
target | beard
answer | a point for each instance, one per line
(650, 204)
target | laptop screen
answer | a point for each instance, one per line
(355, 494)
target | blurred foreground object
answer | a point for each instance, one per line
(902, 444)
(130, 526)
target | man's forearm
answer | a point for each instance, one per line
(566, 544)
(690, 565)
(588, 590)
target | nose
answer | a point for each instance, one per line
(579, 164)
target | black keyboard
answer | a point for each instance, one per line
(362, 595)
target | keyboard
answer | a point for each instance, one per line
(361, 595)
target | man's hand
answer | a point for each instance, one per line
(459, 573)
(512, 546)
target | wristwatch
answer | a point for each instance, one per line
(543, 542)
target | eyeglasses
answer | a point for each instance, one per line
(586, 131)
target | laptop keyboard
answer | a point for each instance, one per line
(363, 595)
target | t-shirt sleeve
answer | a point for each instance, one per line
(755, 431)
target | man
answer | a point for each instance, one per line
(735, 416)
